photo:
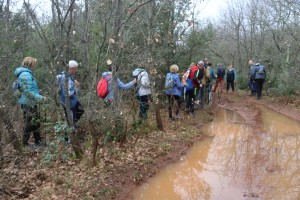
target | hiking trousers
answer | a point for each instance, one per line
(174, 99)
(144, 106)
(221, 82)
(230, 83)
(259, 86)
(32, 123)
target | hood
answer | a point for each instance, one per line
(104, 74)
(19, 70)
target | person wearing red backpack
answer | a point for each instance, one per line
(123, 86)
(192, 79)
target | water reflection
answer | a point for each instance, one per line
(233, 162)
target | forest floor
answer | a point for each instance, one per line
(120, 170)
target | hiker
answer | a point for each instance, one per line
(75, 106)
(230, 78)
(260, 76)
(174, 94)
(251, 83)
(220, 78)
(192, 80)
(204, 78)
(123, 86)
(30, 97)
(210, 80)
(143, 91)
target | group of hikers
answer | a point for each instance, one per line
(193, 88)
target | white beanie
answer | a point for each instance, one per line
(73, 63)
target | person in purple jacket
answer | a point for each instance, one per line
(174, 94)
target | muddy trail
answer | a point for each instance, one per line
(249, 151)
(120, 171)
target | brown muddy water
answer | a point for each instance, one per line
(234, 162)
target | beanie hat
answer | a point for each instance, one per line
(73, 63)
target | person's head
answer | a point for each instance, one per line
(29, 62)
(200, 63)
(209, 64)
(72, 66)
(206, 60)
(230, 66)
(174, 68)
(250, 62)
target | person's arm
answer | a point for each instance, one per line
(177, 82)
(126, 86)
(234, 75)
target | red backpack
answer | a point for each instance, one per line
(102, 87)
(193, 69)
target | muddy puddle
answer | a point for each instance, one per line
(234, 162)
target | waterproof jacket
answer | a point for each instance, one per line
(30, 93)
(121, 85)
(143, 84)
(231, 75)
(220, 71)
(260, 72)
(72, 89)
(177, 89)
(252, 72)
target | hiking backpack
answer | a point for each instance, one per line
(169, 82)
(102, 87)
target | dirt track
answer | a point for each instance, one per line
(123, 169)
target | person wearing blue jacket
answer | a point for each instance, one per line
(260, 76)
(174, 94)
(30, 97)
(75, 106)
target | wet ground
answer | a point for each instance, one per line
(235, 160)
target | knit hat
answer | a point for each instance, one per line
(73, 63)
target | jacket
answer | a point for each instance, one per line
(220, 72)
(121, 85)
(260, 72)
(252, 72)
(143, 84)
(72, 89)
(177, 89)
(231, 75)
(30, 94)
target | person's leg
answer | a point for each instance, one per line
(178, 101)
(216, 85)
(170, 105)
(227, 85)
(258, 88)
(144, 106)
(202, 93)
(221, 85)
(32, 124)
(232, 85)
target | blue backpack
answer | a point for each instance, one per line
(169, 83)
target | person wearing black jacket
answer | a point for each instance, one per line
(230, 78)
(220, 77)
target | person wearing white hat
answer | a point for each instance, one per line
(75, 105)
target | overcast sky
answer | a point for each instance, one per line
(209, 8)
(205, 8)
